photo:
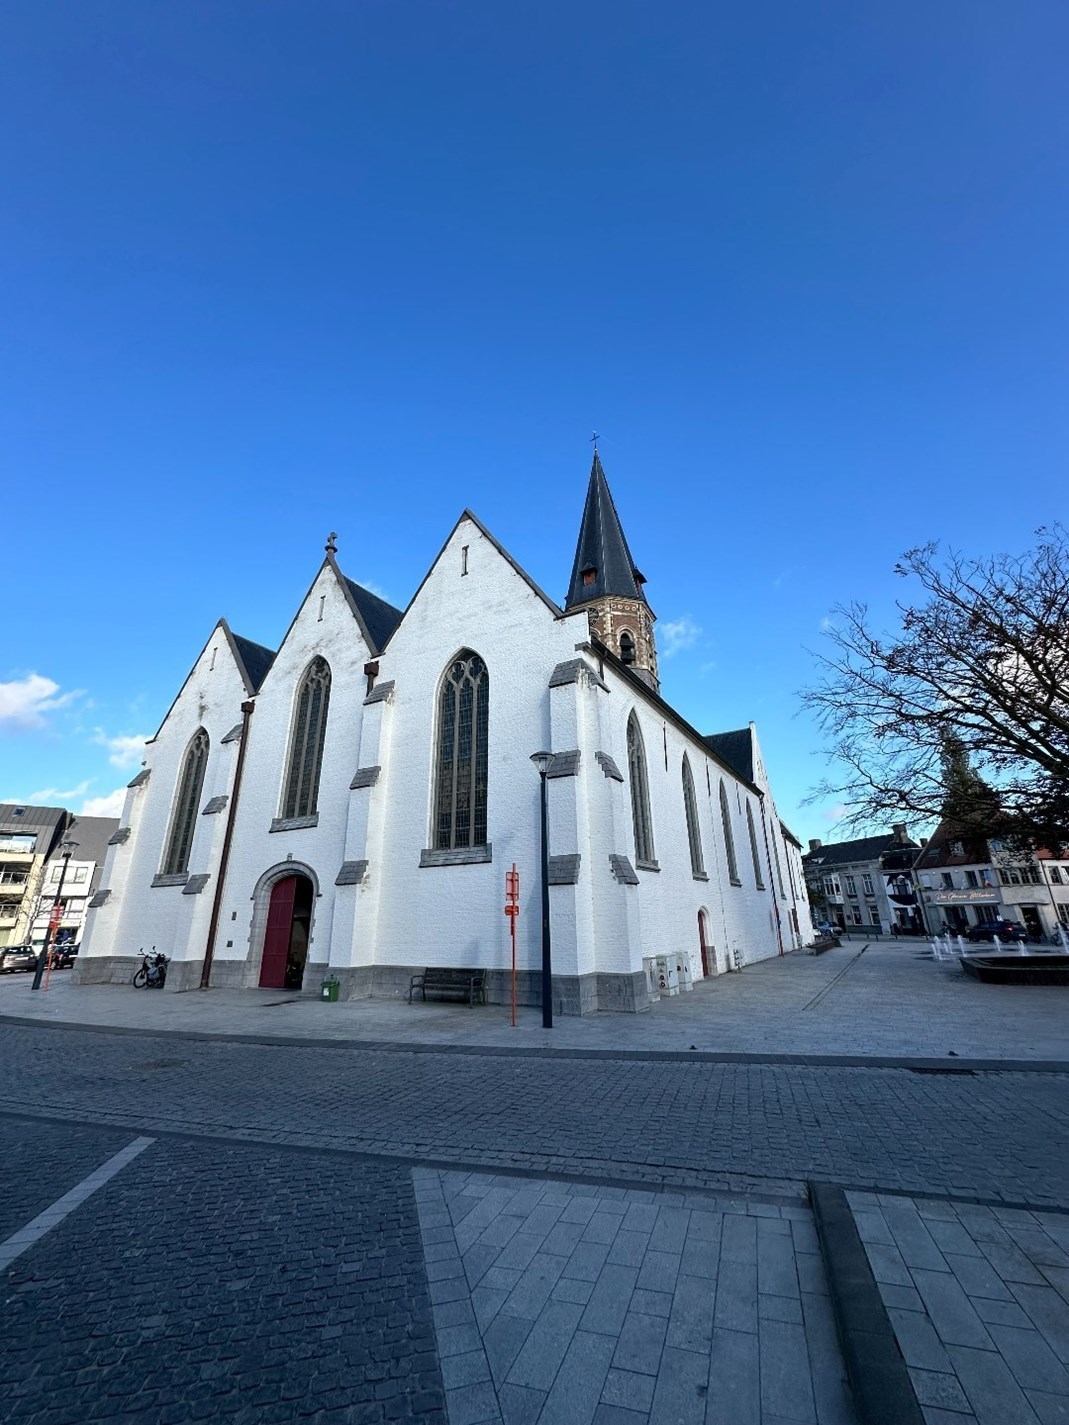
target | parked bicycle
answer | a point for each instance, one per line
(153, 972)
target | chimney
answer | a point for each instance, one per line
(924, 841)
(899, 830)
(814, 843)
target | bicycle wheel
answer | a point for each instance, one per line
(141, 978)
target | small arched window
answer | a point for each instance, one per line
(729, 840)
(463, 738)
(627, 647)
(187, 801)
(640, 794)
(690, 806)
(758, 878)
(306, 749)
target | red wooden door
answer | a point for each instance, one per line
(277, 935)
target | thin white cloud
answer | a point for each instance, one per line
(52, 796)
(24, 701)
(373, 588)
(123, 752)
(110, 805)
(677, 634)
(826, 623)
(782, 577)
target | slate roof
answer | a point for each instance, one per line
(602, 548)
(842, 853)
(380, 618)
(255, 658)
(734, 748)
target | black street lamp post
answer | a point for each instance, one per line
(542, 761)
(65, 848)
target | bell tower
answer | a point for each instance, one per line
(605, 579)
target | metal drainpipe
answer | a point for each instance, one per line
(247, 709)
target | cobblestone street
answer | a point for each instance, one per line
(458, 1233)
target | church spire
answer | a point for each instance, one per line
(603, 563)
(606, 581)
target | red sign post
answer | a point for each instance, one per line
(512, 910)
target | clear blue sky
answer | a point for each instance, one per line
(271, 269)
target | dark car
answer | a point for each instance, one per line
(1004, 929)
(63, 956)
(17, 957)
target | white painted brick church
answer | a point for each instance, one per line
(348, 806)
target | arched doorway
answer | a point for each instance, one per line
(708, 953)
(289, 919)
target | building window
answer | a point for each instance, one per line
(306, 749)
(948, 881)
(855, 915)
(627, 647)
(1010, 876)
(729, 840)
(463, 760)
(866, 885)
(1055, 875)
(690, 806)
(1034, 876)
(187, 800)
(995, 845)
(640, 792)
(758, 878)
(957, 848)
(851, 885)
(972, 880)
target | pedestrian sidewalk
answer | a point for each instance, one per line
(886, 1001)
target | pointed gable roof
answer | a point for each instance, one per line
(602, 548)
(734, 748)
(254, 659)
(380, 619)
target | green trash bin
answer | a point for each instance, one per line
(329, 990)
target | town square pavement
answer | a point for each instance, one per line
(819, 1189)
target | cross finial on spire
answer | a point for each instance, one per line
(594, 441)
(331, 545)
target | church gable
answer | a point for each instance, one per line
(217, 683)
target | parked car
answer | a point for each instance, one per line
(17, 957)
(63, 956)
(1004, 929)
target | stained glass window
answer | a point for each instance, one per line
(640, 792)
(306, 750)
(690, 806)
(463, 737)
(729, 839)
(187, 801)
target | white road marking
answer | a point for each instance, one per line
(25, 1237)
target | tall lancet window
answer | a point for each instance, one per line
(306, 749)
(758, 878)
(690, 806)
(463, 735)
(640, 794)
(729, 840)
(187, 802)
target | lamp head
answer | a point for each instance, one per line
(542, 761)
(67, 846)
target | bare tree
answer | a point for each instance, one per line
(964, 711)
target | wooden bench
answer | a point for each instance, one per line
(440, 981)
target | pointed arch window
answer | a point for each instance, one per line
(729, 840)
(187, 801)
(758, 878)
(306, 748)
(463, 740)
(640, 794)
(627, 647)
(690, 806)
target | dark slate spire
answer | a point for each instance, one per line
(602, 550)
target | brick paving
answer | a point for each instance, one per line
(568, 1304)
(884, 1000)
(724, 1127)
(212, 1282)
(979, 1301)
